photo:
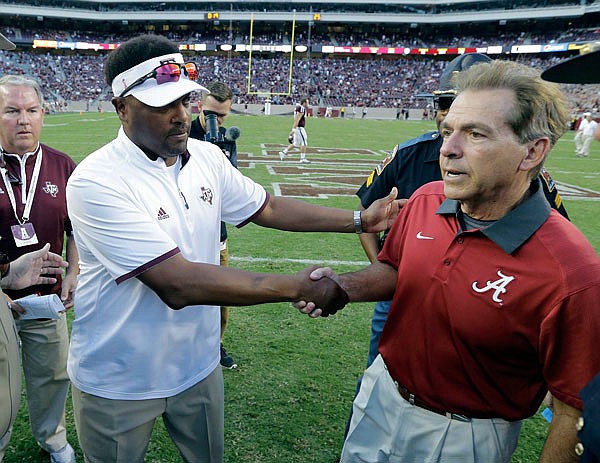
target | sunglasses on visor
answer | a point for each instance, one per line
(168, 72)
(443, 102)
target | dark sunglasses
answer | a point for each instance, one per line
(443, 102)
(168, 72)
(11, 177)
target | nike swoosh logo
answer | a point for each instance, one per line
(421, 236)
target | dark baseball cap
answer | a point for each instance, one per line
(6, 44)
(443, 98)
(458, 64)
(582, 69)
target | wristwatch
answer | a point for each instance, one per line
(4, 265)
(358, 222)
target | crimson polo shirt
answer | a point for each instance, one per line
(48, 214)
(483, 322)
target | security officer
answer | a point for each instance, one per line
(411, 165)
(589, 423)
(584, 69)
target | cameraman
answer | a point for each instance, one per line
(214, 107)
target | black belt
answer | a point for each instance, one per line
(411, 399)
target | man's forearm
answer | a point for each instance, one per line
(203, 284)
(180, 283)
(370, 244)
(562, 435)
(72, 256)
(295, 215)
(374, 283)
(369, 241)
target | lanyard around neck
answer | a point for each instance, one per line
(32, 187)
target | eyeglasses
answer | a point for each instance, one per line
(443, 102)
(167, 72)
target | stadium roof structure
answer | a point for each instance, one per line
(324, 11)
(224, 26)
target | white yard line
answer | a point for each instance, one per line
(299, 261)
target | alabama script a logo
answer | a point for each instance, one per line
(499, 286)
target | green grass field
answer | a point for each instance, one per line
(289, 399)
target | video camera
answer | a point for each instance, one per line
(224, 139)
(213, 134)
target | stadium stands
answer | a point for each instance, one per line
(337, 82)
(333, 78)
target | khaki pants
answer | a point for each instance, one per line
(44, 346)
(118, 431)
(578, 139)
(387, 428)
(10, 373)
(585, 146)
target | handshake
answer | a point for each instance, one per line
(321, 292)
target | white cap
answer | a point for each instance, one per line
(149, 92)
(587, 114)
(6, 44)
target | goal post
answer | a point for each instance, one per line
(268, 92)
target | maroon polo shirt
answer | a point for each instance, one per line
(482, 323)
(49, 211)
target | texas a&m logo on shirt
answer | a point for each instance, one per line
(206, 195)
(50, 189)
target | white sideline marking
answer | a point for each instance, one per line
(299, 261)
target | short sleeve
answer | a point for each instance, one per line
(109, 224)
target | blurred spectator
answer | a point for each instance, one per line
(334, 81)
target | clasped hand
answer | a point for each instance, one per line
(322, 294)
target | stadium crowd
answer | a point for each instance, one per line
(372, 81)
(333, 81)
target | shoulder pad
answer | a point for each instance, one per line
(545, 176)
(425, 138)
